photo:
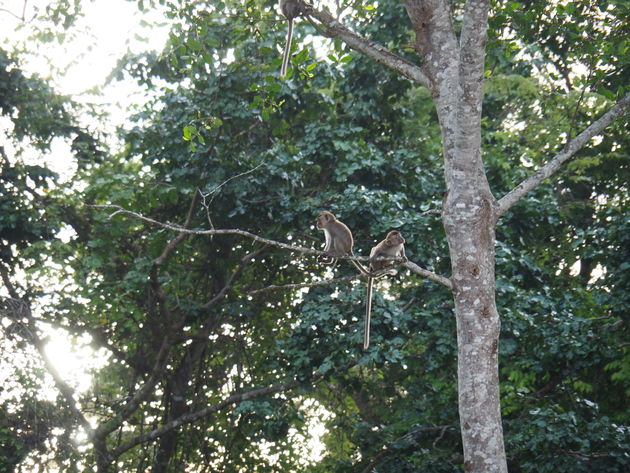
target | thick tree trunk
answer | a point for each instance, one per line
(469, 221)
(469, 216)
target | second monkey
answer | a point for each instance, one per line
(392, 246)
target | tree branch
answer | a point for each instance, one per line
(472, 43)
(428, 274)
(235, 274)
(141, 394)
(177, 240)
(618, 110)
(325, 282)
(176, 228)
(334, 29)
(300, 249)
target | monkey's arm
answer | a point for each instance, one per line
(402, 255)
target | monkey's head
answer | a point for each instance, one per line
(394, 238)
(324, 219)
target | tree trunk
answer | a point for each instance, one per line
(469, 222)
(455, 69)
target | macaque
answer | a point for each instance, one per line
(339, 240)
(290, 9)
(392, 246)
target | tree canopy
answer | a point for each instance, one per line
(224, 353)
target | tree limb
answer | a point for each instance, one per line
(176, 228)
(472, 42)
(175, 241)
(618, 110)
(300, 249)
(141, 394)
(334, 29)
(428, 274)
(235, 274)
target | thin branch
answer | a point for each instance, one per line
(235, 274)
(511, 198)
(409, 265)
(175, 241)
(176, 228)
(414, 268)
(334, 29)
(432, 212)
(390, 447)
(300, 249)
(12, 14)
(325, 282)
(215, 191)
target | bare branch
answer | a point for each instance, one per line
(409, 265)
(428, 274)
(21, 18)
(432, 212)
(176, 228)
(618, 110)
(332, 28)
(300, 249)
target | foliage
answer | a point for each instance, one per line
(249, 151)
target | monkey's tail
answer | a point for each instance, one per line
(287, 51)
(368, 314)
(360, 267)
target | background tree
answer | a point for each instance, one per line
(211, 369)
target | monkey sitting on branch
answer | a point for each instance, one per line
(392, 246)
(339, 243)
